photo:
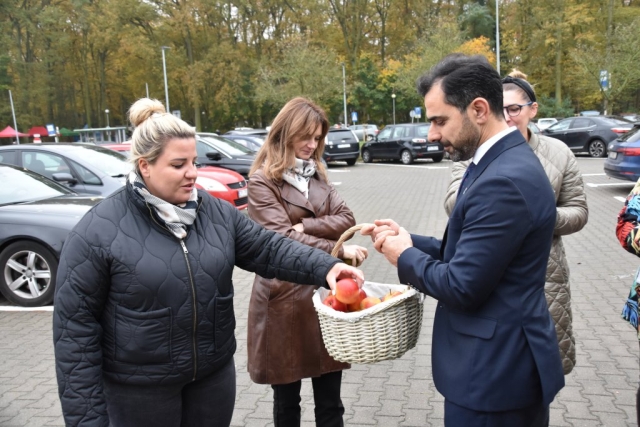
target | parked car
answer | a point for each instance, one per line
(251, 142)
(623, 161)
(223, 184)
(36, 215)
(364, 132)
(124, 148)
(589, 113)
(404, 142)
(534, 128)
(341, 145)
(218, 151)
(248, 131)
(632, 117)
(546, 122)
(83, 168)
(590, 134)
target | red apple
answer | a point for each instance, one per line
(333, 302)
(347, 291)
(390, 295)
(356, 305)
(369, 302)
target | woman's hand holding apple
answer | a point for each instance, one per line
(343, 271)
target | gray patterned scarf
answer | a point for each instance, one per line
(300, 175)
(175, 217)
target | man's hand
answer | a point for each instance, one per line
(299, 227)
(343, 271)
(388, 238)
(378, 226)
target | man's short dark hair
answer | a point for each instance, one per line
(464, 78)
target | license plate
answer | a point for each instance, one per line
(242, 192)
(344, 145)
(613, 154)
(432, 148)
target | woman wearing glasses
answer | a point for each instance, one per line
(559, 163)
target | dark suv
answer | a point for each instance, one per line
(341, 145)
(404, 142)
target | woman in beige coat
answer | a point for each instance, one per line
(572, 212)
(289, 193)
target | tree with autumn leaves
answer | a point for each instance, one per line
(237, 62)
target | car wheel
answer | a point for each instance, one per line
(27, 274)
(406, 157)
(369, 137)
(351, 162)
(366, 156)
(437, 159)
(597, 148)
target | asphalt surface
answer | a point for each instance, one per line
(599, 392)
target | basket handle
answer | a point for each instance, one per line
(346, 236)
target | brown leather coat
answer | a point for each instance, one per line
(284, 341)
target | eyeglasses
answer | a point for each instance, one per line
(514, 109)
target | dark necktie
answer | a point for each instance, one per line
(470, 169)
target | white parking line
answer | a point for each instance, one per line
(14, 308)
(612, 184)
(407, 166)
(620, 198)
(336, 183)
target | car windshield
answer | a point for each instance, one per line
(27, 186)
(108, 161)
(632, 136)
(339, 136)
(227, 146)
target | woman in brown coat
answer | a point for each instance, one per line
(289, 193)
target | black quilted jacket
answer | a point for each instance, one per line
(139, 306)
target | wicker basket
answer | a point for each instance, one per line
(383, 332)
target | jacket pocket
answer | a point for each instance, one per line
(143, 338)
(224, 321)
(480, 327)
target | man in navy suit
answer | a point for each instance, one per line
(495, 354)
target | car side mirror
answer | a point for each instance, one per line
(65, 178)
(214, 155)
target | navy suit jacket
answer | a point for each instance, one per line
(494, 343)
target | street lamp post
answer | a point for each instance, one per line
(497, 37)
(344, 94)
(164, 71)
(393, 99)
(108, 132)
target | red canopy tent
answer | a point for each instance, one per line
(40, 130)
(10, 132)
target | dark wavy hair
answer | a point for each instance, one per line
(464, 78)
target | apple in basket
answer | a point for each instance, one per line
(369, 302)
(390, 295)
(356, 305)
(333, 302)
(347, 291)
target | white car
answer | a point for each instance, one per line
(545, 123)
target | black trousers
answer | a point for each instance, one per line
(326, 396)
(205, 402)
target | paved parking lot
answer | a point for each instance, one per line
(599, 392)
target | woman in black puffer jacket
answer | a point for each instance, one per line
(144, 324)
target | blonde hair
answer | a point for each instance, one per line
(299, 118)
(521, 85)
(517, 74)
(154, 127)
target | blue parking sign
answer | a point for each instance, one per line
(354, 116)
(417, 112)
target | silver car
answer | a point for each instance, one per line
(364, 132)
(83, 168)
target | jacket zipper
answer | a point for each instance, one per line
(195, 309)
(193, 290)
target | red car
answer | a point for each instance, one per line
(222, 183)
